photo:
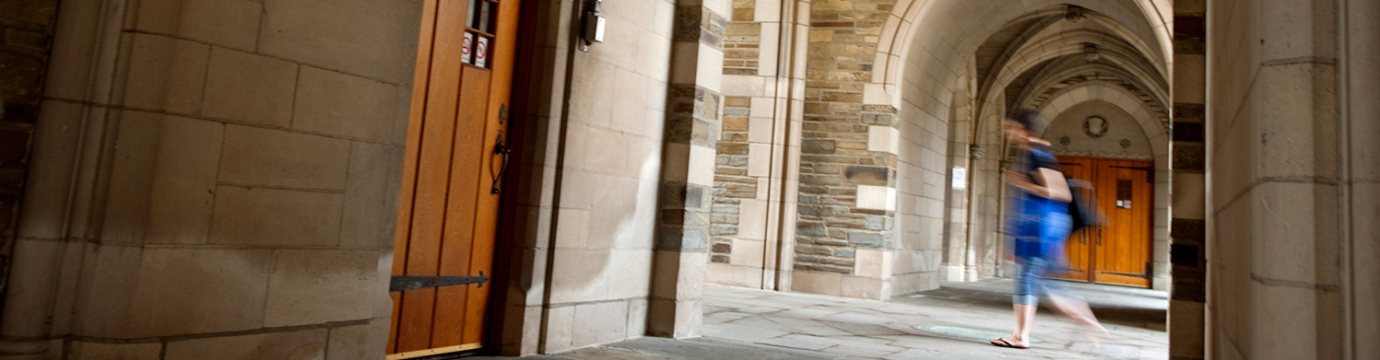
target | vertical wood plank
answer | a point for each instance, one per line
(433, 176)
(470, 148)
(1076, 249)
(1106, 195)
(402, 232)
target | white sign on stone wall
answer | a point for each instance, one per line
(960, 179)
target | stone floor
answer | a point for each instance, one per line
(953, 322)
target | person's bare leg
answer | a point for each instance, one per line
(1079, 312)
(1025, 316)
(1076, 310)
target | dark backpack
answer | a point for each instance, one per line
(1083, 208)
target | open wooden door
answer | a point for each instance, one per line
(455, 158)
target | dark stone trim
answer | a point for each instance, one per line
(1188, 131)
(1186, 111)
(1189, 156)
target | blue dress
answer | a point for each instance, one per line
(1040, 225)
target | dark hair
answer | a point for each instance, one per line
(1028, 118)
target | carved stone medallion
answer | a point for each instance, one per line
(1095, 127)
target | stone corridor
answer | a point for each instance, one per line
(953, 322)
(678, 179)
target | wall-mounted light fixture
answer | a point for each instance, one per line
(593, 29)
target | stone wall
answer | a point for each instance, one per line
(26, 33)
(214, 179)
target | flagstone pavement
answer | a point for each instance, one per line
(953, 322)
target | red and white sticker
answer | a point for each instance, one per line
(465, 48)
(481, 52)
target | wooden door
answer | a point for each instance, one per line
(1125, 190)
(1076, 249)
(1117, 252)
(456, 154)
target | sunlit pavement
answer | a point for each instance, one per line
(954, 322)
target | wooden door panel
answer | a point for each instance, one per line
(433, 176)
(491, 166)
(1076, 250)
(410, 158)
(463, 200)
(1117, 252)
(449, 209)
(1123, 244)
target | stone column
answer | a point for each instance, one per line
(692, 126)
(754, 188)
(1275, 282)
(960, 256)
(592, 120)
(542, 86)
(1187, 250)
(846, 230)
(1360, 129)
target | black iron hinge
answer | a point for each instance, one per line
(407, 283)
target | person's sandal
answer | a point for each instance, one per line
(1003, 343)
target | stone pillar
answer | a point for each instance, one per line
(1276, 284)
(1360, 129)
(541, 84)
(1187, 251)
(588, 184)
(850, 138)
(960, 253)
(692, 127)
(754, 209)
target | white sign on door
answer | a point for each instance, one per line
(465, 48)
(481, 52)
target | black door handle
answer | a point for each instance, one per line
(499, 148)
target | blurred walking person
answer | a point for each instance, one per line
(1040, 222)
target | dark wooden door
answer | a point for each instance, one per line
(456, 154)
